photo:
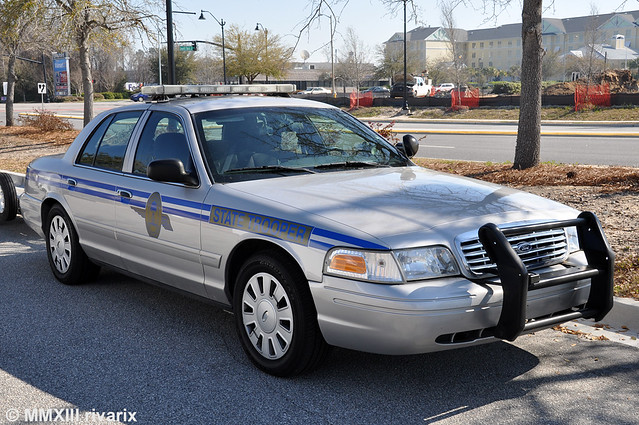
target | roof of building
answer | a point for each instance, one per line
(608, 52)
(550, 26)
(502, 31)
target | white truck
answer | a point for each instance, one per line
(422, 87)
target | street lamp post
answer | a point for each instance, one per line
(220, 23)
(257, 28)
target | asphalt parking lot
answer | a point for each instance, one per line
(120, 345)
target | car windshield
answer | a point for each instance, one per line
(252, 143)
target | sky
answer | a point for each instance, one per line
(372, 22)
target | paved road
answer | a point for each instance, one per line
(120, 344)
(565, 149)
(68, 109)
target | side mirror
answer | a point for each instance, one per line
(409, 144)
(171, 171)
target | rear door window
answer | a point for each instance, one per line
(107, 146)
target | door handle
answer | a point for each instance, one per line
(72, 182)
(125, 193)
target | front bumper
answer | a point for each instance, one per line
(447, 313)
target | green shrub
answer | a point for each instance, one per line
(108, 95)
(98, 96)
(506, 87)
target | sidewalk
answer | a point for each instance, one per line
(620, 325)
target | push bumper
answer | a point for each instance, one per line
(517, 281)
(440, 314)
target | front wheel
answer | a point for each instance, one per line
(69, 263)
(276, 318)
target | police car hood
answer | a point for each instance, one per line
(403, 206)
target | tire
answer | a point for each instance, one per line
(8, 199)
(275, 317)
(69, 263)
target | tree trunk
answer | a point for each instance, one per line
(11, 84)
(87, 79)
(529, 129)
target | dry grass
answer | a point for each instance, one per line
(547, 174)
(629, 113)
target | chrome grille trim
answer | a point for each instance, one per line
(541, 249)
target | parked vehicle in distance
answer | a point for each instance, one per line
(310, 227)
(445, 87)
(378, 91)
(315, 90)
(422, 87)
(139, 97)
(397, 90)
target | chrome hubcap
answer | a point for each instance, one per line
(1, 200)
(60, 244)
(267, 316)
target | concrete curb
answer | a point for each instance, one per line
(620, 325)
(476, 121)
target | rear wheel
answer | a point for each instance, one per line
(8, 198)
(276, 318)
(69, 263)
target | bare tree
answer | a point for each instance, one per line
(103, 20)
(591, 37)
(455, 47)
(19, 23)
(354, 59)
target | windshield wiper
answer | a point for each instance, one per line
(269, 169)
(350, 164)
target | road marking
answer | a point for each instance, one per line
(514, 133)
(438, 147)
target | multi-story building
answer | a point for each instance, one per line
(501, 48)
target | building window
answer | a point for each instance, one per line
(490, 64)
(510, 43)
(491, 44)
(474, 45)
(474, 55)
(473, 64)
(481, 45)
(499, 43)
(311, 66)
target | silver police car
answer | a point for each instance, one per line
(311, 227)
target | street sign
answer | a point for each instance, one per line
(191, 47)
(42, 88)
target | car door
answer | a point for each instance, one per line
(158, 223)
(92, 185)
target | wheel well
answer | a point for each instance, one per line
(243, 251)
(44, 211)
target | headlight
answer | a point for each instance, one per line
(386, 267)
(573, 239)
(427, 263)
(363, 265)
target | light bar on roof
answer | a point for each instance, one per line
(167, 90)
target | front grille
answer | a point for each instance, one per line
(537, 249)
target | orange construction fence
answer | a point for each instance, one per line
(587, 96)
(469, 98)
(361, 99)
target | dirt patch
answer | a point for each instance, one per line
(21, 145)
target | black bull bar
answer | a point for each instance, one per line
(516, 280)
